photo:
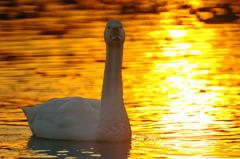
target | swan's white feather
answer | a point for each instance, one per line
(65, 118)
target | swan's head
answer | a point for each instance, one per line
(114, 33)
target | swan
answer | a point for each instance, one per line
(77, 118)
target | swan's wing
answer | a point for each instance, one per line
(63, 117)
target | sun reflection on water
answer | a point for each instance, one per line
(188, 99)
(184, 104)
(177, 33)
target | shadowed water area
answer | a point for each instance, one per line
(181, 75)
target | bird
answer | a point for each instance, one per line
(78, 118)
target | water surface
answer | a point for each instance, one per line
(181, 83)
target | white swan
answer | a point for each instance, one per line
(76, 118)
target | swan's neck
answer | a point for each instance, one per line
(113, 116)
(112, 93)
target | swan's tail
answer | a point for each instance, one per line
(28, 111)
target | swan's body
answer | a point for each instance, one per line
(76, 118)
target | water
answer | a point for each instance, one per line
(181, 83)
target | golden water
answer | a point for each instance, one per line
(181, 84)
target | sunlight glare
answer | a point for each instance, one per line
(188, 99)
(176, 33)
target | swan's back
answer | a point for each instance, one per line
(65, 118)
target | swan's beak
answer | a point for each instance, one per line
(115, 34)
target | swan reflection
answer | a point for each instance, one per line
(89, 150)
